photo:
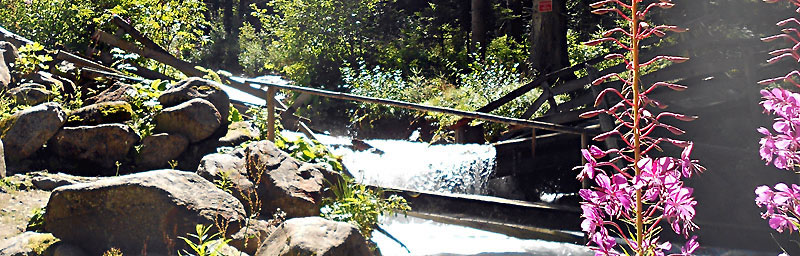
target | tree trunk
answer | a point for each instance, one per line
(480, 14)
(549, 38)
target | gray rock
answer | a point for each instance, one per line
(157, 150)
(65, 249)
(10, 53)
(284, 182)
(238, 133)
(27, 131)
(117, 92)
(5, 72)
(49, 181)
(100, 113)
(139, 213)
(214, 166)
(314, 236)
(2, 161)
(27, 244)
(196, 119)
(250, 237)
(30, 94)
(103, 144)
(194, 87)
(49, 81)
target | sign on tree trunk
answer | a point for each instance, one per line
(545, 6)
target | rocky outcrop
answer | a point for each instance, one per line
(314, 236)
(27, 131)
(27, 244)
(49, 181)
(197, 88)
(158, 149)
(46, 79)
(100, 113)
(30, 94)
(196, 119)
(103, 144)
(294, 187)
(139, 213)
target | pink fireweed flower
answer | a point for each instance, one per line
(679, 210)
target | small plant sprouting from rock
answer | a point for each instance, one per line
(36, 222)
(205, 244)
(172, 164)
(113, 252)
(361, 206)
(224, 182)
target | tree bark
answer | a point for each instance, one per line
(548, 38)
(480, 14)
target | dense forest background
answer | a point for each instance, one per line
(452, 53)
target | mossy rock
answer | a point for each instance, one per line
(101, 113)
(28, 243)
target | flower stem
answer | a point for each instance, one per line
(636, 131)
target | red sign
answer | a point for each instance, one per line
(546, 6)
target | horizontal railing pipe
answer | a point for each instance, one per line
(422, 107)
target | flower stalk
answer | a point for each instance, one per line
(646, 191)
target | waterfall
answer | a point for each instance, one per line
(419, 166)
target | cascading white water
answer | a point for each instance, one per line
(455, 168)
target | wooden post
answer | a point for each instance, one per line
(533, 142)
(271, 113)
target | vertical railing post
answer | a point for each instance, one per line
(533, 142)
(271, 113)
(584, 144)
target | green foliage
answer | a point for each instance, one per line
(36, 222)
(234, 115)
(7, 184)
(176, 25)
(205, 245)
(30, 60)
(224, 182)
(144, 103)
(361, 206)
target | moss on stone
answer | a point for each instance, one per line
(41, 242)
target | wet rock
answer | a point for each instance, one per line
(101, 113)
(27, 244)
(193, 88)
(30, 94)
(27, 131)
(157, 150)
(196, 119)
(219, 167)
(49, 181)
(250, 237)
(103, 144)
(314, 236)
(139, 213)
(238, 133)
(117, 92)
(285, 183)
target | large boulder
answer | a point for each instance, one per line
(158, 149)
(140, 213)
(103, 144)
(27, 244)
(194, 87)
(49, 181)
(196, 119)
(46, 79)
(101, 113)
(27, 131)
(219, 168)
(284, 182)
(314, 236)
(30, 94)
